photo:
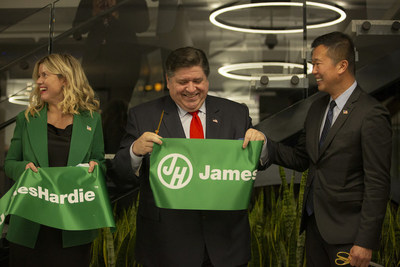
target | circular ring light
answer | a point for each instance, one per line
(216, 13)
(19, 99)
(225, 70)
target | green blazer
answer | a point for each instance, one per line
(29, 144)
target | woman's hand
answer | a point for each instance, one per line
(31, 166)
(91, 165)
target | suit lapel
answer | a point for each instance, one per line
(171, 121)
(82, 134)
(37, 132)
(344, 114)
(317, 116)
(213, 119)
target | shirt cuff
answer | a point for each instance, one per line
(136, 161)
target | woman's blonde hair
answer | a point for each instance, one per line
(78, 94)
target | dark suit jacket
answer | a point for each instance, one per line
(178, 237)
(351, 172)
(29, 144)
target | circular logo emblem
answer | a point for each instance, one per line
(175, 171)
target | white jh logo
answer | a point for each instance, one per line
(178, 174)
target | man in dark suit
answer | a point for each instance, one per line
(167, 237)
(349, 162)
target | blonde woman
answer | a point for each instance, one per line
(60, 127)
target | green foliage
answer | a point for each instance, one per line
(389, 252)
(275, 223)
(117, 249)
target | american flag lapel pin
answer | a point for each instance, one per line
(345, 112)
(215, 120)
(88, 128)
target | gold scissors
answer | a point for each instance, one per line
(343, 259)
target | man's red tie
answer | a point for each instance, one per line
(196, 129)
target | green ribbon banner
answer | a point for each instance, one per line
(203, 174)
(68, 198)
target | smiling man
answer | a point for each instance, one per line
(167, 237)
(346, 145)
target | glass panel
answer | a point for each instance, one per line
(106, 41)
(119, 56)
(24, 38)
(22, 42)
(244, 55)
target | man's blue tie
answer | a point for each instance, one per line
(325, 130)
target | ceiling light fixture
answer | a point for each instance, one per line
(225, 70)
(19, 100)
(222, 24)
